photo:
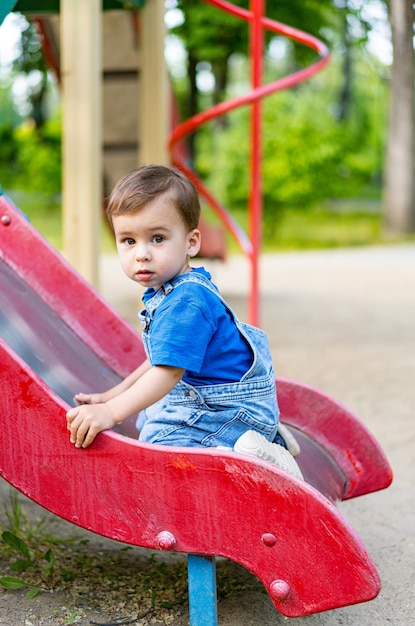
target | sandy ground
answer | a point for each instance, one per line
(342, 321)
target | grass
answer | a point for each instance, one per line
(322, 228)
(346, 224)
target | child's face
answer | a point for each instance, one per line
(153, 244)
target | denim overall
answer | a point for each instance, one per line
(216, 414)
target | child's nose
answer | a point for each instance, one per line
(142, 252)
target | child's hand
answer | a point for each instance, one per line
(89, 398)
(86, 421)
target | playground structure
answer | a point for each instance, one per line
(258, 22)
(49, 347)
(205, 503)
(131, 69)
(83, 58)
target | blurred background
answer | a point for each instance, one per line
(333, 154)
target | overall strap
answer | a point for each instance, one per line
(199, 279)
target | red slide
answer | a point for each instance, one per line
(58, 335)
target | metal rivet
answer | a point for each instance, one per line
(166, 540)
(6, 220)
(280, 589)
(269, 540)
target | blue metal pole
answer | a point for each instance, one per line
(203, 604)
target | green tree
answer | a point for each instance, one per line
(9, 120)
(30, 155)
(39, 158)
(209, 36)
(32, 63)
(309, 156)
(9, 117)
(213, 37)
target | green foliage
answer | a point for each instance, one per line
(24, 544)
(308, 155)
(39, 159)
(32, 63)
(31, 560)
(31, 161)
(9, 116)
(9, 119)
(214, 35)
(30, 146)
(322, 139)
(8, 150)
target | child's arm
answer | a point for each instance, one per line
(98, 398)
(87, 420)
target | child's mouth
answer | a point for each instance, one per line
(145, 275)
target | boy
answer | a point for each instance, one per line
(208, 379)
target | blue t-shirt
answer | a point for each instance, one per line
(194, 330)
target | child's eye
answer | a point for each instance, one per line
(158, 238)
(129, 241)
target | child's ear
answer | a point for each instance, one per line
(193, 242)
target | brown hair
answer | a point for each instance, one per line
(146, 183)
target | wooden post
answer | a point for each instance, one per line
(153, 105)
(81, 98)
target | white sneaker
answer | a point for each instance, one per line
(255, 444)
(291, 442)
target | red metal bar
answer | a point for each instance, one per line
(250, 246)
(255, 199)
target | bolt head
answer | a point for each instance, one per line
(166, 540)
(269, 540)
(280, 590)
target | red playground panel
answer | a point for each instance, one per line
(58, 336)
